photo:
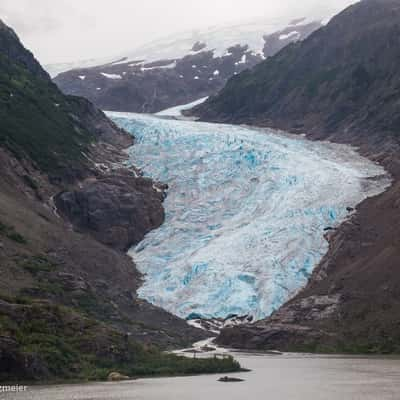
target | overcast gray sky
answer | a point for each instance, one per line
(70, 30)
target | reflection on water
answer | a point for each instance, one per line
(288, 377)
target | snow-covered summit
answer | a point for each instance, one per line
(181, 68)
(217, 38)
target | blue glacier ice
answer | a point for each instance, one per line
(245, 212)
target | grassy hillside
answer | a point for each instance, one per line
(37, 120)
(42, 341)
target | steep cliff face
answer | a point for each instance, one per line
(117, 209)
(342, 83)
(60, 275)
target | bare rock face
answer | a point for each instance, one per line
(101, 127)
(269, 337)
(118, 209)
(286, 329)
(198, 46)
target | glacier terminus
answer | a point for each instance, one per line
(246, 212)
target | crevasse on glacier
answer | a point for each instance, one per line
(246, 212)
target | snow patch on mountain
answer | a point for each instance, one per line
(168, 66)
(289, 35)
(177, 111)
(217, 39)
(176, 46)
(111, 76)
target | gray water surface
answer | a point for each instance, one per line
(288, 377)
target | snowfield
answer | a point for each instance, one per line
(216, 38)
(177, 111)
(111, 76)
(246, 212)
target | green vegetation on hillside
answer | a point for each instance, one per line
(50, 342)
(10, 233)
(37, 120)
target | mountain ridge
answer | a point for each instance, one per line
(179, 71)
(293, 89)
(178, 45)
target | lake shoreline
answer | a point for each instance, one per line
(291, 376)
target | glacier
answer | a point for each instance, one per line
(246, 212)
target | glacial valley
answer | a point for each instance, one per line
(247, 212)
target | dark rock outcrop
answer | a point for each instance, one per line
(228, 379)
(117, 209)
(198, 46)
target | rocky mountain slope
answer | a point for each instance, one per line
(180, 70)
(342, 78)
(342, 84)
(68, 303)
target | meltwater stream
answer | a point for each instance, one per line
(246, 212)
